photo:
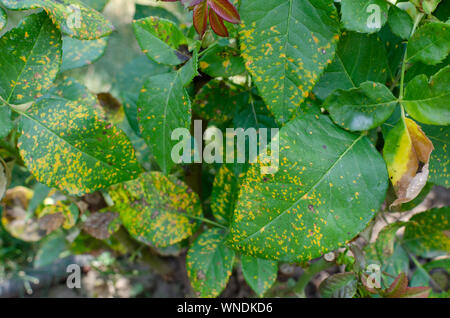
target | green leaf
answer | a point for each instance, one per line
(341, 285)
(359, 58)
(439, 162)
(315, 202)
(427, 233)
(67, 145)
(362, 108)
(224, 194)
(144, 11)
(384, 244)
(129, 84)
(97, 5)
(422, 278)
(78, 53)
(161, 40)
(6, 124)
(30, 56)
(3, 18)
(209, 263)
(218, 100)
(222, 61)
(400, 22)
(163, 106)
(50, 250)
(364, 16)
(286, 45)
(73, 16)
(428, 6)
(427, 100)
(157, 210)
(70, 89)
(259, 273)
(430, 44)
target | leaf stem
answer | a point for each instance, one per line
(309, 274)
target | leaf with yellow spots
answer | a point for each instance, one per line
(362, 108)
(222, 61)
(31, 67)
(164, 106)
(364, 16)
(67, 145)
(407, 153)
(209, 263)
(359, 58)
(73, 17)
(97, 5)
(427, 234)
(161, 40)
(439, 161)
(259, 273)
(286, 45)
(78, 53)
(316, 201)
(427, 101)
(430, 44)
(3, 18)
(224, 194)
(157, 210)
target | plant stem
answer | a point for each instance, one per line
(309, 274)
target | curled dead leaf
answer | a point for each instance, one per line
(407, 153)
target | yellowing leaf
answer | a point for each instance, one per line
(407, 152)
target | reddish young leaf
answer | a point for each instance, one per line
(398, 286)
(416, 292)
(201, 18)
(225, 10)
(217, 24)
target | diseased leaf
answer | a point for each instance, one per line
(428, 234)
(68, 88)
(101, 224)
(365, 16)
(130, 82)
(29, 59)
(161, 40)
(341, 285)
(78, 53)
(3, 18)
(67, 145)
(209, 263)
(224, 194)
(259, 273)
(439, 161)
(73, 16)
(156, 209)
(430, 44)
(362, 108)
(163, 106)
(400, 22)
(428, 6)
(286, 45)
(222, 62)
(359, 58)
(426, 100)
(315, 202)
(52, 217)
(407, 153)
